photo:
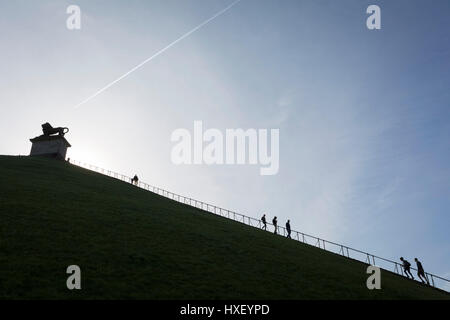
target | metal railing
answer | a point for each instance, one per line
(340, 249)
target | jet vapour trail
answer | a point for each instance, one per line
(159, 52)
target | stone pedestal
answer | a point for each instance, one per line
(50, 146)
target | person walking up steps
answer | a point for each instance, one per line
(274, 221)
(288, 229)
(421, 272)
(263, 220)
(135, 180)
(406, 267)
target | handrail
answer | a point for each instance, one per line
(316, 241)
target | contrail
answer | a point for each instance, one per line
(158, 53)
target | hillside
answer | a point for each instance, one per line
(133, 244)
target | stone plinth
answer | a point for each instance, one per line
(50, 146)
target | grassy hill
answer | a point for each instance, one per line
(131, 244)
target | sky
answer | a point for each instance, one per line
(363, 115)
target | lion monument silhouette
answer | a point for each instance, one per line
(48, 130)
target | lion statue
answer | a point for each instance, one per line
(48, 130)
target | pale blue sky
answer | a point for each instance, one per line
(363, 115)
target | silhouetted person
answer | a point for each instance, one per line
(406, 267)
(274, 221)
(263, 219)
(135, 180)
(288, 229)
(421, 272)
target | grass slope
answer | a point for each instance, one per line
(130, 244)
